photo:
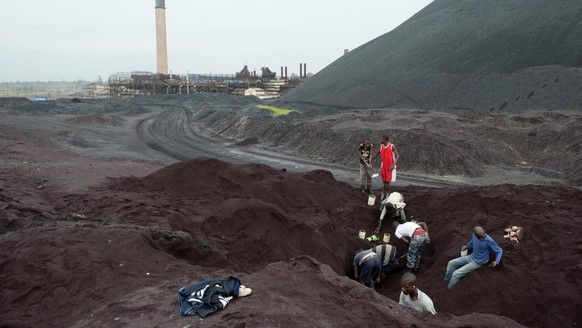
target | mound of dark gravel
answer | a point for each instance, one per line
(462, 56)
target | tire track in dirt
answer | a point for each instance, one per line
(173, 132)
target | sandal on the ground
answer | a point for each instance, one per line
(373, 238)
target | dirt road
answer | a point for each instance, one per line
(173, 132)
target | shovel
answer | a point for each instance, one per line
(374, 175)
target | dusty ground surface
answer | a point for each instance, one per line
(99, 230)
(470, 149)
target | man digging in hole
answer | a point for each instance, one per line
(415, 234)
(393, 206)
(367, 267)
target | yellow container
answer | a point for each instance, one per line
(362, 234)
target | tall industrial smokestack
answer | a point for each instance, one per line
(300, 70)
(161, 44)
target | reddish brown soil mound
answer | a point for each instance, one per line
(117, 255)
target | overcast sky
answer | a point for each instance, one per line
(68, 40)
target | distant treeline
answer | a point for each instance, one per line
(51, 89)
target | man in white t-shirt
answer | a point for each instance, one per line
(412, 297)
(415, 234)
(393, 205)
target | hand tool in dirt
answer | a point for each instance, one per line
(374, 175)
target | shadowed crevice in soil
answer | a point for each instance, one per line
(291, 236)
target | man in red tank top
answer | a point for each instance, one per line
(388, 168)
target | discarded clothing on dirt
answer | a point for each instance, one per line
(207, 296)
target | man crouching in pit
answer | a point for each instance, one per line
(392, 207)
(367, 267)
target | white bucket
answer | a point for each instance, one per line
(371, 200)
(464, 252)
(362, 234)
(386, 238)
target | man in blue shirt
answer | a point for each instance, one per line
(367, 267)
(480, 245)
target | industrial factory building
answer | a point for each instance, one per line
(148, 83)
(245, 82)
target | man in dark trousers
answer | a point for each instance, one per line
(367, 267)
(365, 154)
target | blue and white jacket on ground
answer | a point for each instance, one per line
(207, 296)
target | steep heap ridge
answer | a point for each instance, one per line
(117, 255)
(456, 55)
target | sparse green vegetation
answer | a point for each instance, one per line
(276, 111)
(51, 89)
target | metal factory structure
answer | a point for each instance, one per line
(148, 83)
(242, 83)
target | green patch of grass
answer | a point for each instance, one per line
(276, 111)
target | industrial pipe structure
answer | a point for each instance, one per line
(161, 44)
